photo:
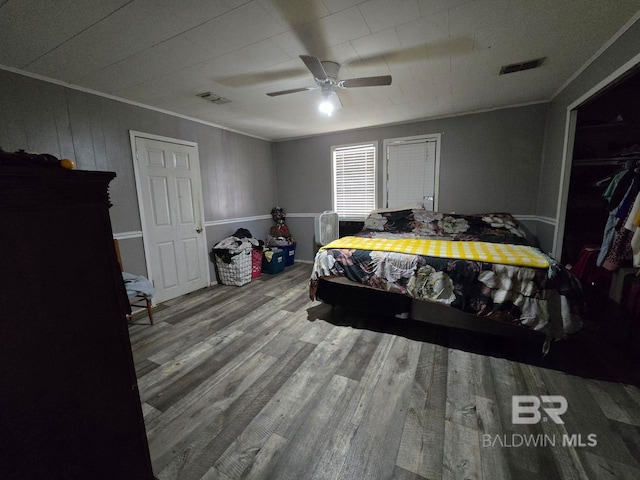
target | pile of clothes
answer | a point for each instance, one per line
(240, 242)
(138, 286)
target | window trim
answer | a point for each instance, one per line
(334, 148)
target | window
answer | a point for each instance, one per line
(354, 180)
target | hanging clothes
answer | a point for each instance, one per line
(613, 185)
(621, 194)
(610, 227)
(633, 214)
(632, 224)
(620, 251)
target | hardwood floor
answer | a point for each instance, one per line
(258, 382)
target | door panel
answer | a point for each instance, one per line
(185, 201)
(181, 161)
(160, 201)
(411, 173)
(167, 257)
(190, 247)
(155, 158)
(173, 221)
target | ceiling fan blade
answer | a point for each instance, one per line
(293, 90)
(365, 82)
(315, 66)
(252, 79)
(335, 99)
(304, 18)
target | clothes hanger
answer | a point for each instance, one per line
(604, 180)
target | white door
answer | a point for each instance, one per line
(412, 171)
(169, 189)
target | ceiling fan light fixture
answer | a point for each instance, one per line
(325, 75)
(326, 105)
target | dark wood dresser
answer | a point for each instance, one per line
(69, 403)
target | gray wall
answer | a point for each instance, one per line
(621, 51)
(488, 162)
(238, 171)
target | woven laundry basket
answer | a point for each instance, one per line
(238, 271)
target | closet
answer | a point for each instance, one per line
(607, 142)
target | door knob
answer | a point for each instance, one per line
(199, 229)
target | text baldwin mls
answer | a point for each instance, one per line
(525, 409)
(539, 440)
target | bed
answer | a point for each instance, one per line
(477, 271)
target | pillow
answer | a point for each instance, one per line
(390, 220)
(489, 227)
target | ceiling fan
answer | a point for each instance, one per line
(326, 76)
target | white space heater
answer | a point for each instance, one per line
(327, 227)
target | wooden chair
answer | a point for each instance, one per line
(140, 303)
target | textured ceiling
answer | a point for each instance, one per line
(444, 56)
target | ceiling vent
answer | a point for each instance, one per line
(212, 97)
(518, 67)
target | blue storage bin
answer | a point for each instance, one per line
(289, 254)
(273, 261)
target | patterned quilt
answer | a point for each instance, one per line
(499, 289)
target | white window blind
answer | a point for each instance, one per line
(354, 180)
(411, 173)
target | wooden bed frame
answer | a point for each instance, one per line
(339, 291)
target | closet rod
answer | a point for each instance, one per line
(589, 162)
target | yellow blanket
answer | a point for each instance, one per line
(520, 255)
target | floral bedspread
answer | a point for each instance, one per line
(507, 293)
